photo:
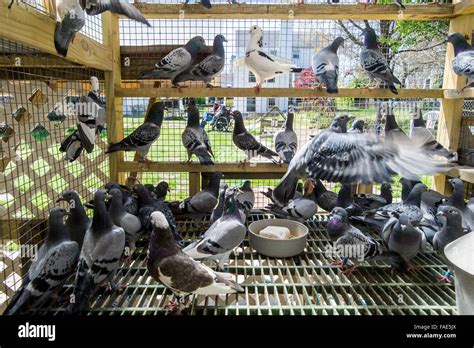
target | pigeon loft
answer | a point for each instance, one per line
(41, 91)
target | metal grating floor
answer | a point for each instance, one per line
(304, 285)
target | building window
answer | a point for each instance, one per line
(271, 102)
(273, 52)
(251, 104)
(427, 83)
(252, 77)
(296, 54)
(271, 80)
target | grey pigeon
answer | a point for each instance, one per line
(301, 208)
(227, 233)
(151, 190)
(55, 262)
(245, 198)
(374, 62)
(169, 265)
(72, 19)
(401, 237)
(357, 126)
(298, 192)
(141, 139)
(324, 198)
(247, 142)
(452, 230)
(178, 60)
(219, 208)
(208, 68)
(100, 255)
(204, 201)
(457, 200)
(334, 155)
(372, 201)
(346, 201)
(121, 7)
(325, 65)
(72, 146)
(261, 64)
(463, 62)
(286, 141)
(418, 130)
(77, 222)
(121, 218)
(130, 202)
(195, 138)
(148, 205)
(350, 242)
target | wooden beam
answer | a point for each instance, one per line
(36, 30)
(463, 172)
(194, 183)
(305, 11)
(455, 94)
(195, 167)
(114, 108)
(450, 118)
(276, 92)
(464, 7)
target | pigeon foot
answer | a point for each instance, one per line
(348, 272)
(338, 263)
(446, 277)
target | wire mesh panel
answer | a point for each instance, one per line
(303, 285)
(288, 2)
(37, 102)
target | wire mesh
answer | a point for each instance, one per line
(466, 142)
(286, 1)
(303, 285)
(36, 91)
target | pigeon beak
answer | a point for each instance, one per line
(108, 196)
(60, 199)
(168, 189)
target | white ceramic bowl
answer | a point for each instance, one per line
(278, 247)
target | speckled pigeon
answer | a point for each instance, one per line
(463, 62)
(170, 266)
(286, 141)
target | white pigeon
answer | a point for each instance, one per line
(261, 64)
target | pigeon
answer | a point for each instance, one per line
(130, 202)
(195, 138)
(334, 155)
(302, 208)
(345, 200)
(350, 242)
(401, 237)
(286, 141)
(418, 130)
(247, 142)
(121, 7)
(77, 222)
(55, 261)
(204, 3)
(463, 62)
(457, 200)
(371, 201)
(72, 19)
(178, 60)
(219, 208)
(204, 201)
(130, 223)
(141, 139)
(72, 146)
(72, 16)
(326, 65)
(374, 62)
(161, 190)
(151, 190)
(357, 126)
(262, 65)
(325, 199)
(227, 233)
(100, 255)
(177, 271)
(452, 229)
(208, 68)
(245, 198)
(298, 192)
(399, 4)
(147, 206)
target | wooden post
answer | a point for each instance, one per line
(450, 118)
(194, 183)
(110, 24)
